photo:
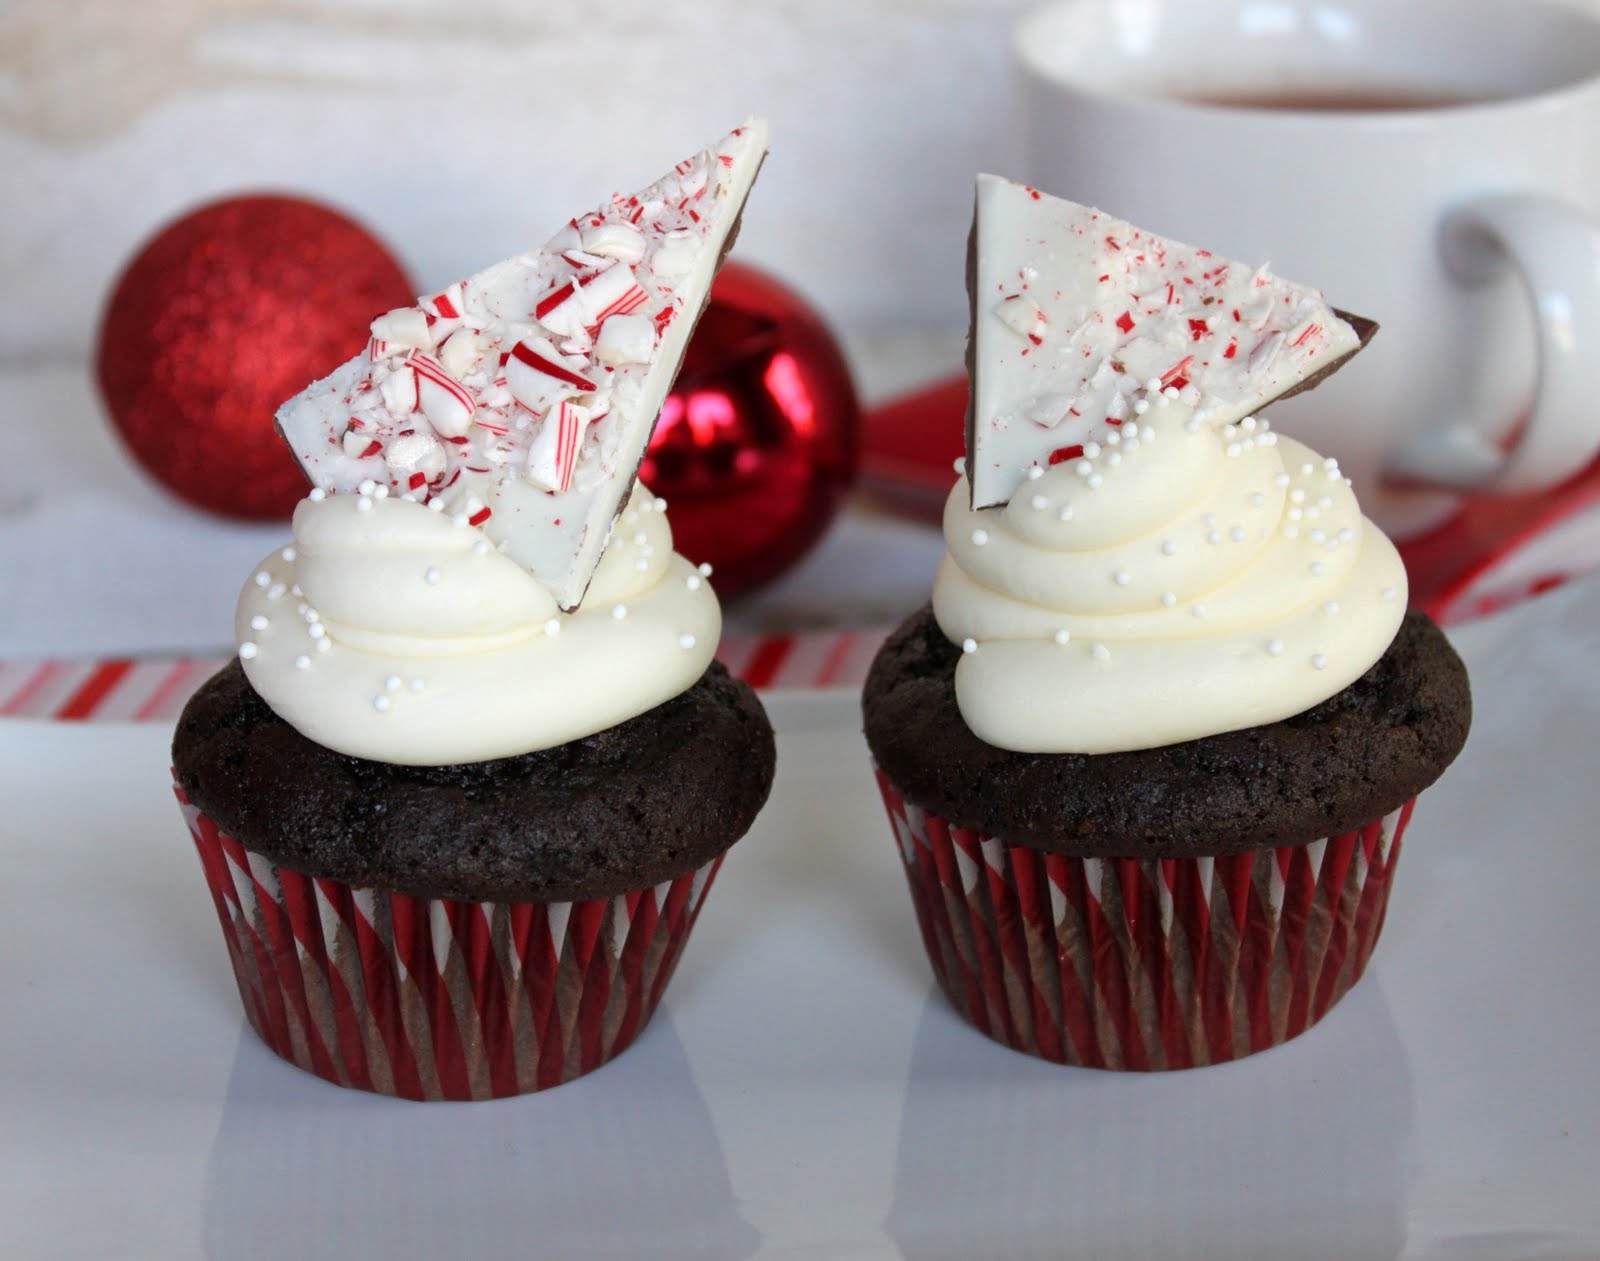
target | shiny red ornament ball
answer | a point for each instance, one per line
(221, 317)
(758, 442)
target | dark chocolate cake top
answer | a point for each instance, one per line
(1339, 765)
(628, 807)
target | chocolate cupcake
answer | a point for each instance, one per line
(461, 797)
(1150, 755)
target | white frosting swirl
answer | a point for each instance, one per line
(1183, 581)
(390, 632)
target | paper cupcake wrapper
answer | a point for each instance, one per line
(1144, 964)
(434, 998)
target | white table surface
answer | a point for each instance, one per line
(804, 1091)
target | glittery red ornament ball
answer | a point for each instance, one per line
(221, 317)
(758, 443)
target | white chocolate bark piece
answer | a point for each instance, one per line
(1078, 317)
(534, 386)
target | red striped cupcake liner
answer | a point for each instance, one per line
(1144, 964)
(433, 998)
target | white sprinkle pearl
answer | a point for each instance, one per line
(1281, 480)
(1064, 513)
(1347, 535)
(980, 537)
(302, 663)
(1038, 503)
(324, 645)
(1257, 500)
(1316, 568)
(481, 547)
(1213, 536)
(317, 495)
(381, 704)
(1140, 407)
(416, 685)
(288, 553)
(1100, 652)
(1168, 547)
(686, 641)
(641, 564)
(1237, 534)
(641, 538)
(430, 575)
(969, 645)
(263, 579)
(1122, 577)
(247, 650)
(459, 520)
(1390, 594)
(1095, 481)
(619, 611)
(317, 631)
(1319, 661)
(275, 592)
(960, 467)
(1035, 473)
(1063, 637)
(1083, 468)
(1199, 610)
(553, 626)
(364, 504)
(693, 582)
(366, 487)
(705, 570)
(1168, 599)
(381, 492)
(258, 622)
(1331, 607)
(435, 505)
(392, 683)
(1274, 647)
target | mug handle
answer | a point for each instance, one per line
(1555, 249)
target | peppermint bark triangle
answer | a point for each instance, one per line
(521, 400)
(1078, 316)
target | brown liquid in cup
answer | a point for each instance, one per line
(1331, 98)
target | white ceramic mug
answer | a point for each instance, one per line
(1467, 229)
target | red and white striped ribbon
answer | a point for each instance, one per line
(124, 689)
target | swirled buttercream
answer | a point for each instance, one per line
(1180, 580)
(392, 632)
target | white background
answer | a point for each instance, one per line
(465, 131)
(461, 131)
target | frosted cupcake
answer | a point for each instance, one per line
(461, 797)
(1151, 752)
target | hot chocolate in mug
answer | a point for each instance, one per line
(1432, 164)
